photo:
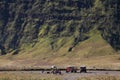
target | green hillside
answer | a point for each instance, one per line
(48, 29)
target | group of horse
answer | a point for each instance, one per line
(70, 69)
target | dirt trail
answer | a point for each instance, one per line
(70, 76)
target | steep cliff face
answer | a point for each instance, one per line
(26, 22)
(111, 25)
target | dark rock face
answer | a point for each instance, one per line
(21, 21)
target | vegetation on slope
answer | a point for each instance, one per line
(54, 26)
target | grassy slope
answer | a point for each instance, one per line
(95, 45)
(91, 52)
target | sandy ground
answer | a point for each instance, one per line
(68, 76)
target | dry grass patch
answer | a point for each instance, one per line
(100, 78)
(29, 76)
